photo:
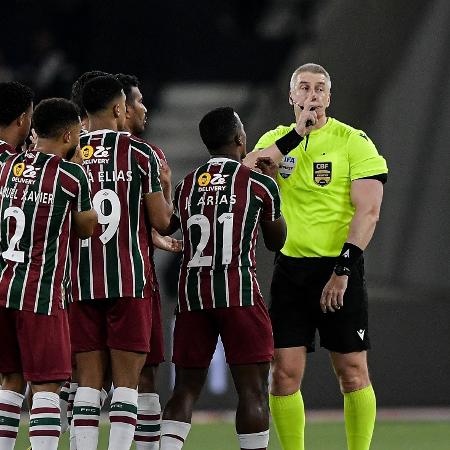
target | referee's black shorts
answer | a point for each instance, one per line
(295, 311)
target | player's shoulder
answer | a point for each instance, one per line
(144, 144)
(5, 147)
(265, 180)
(71, 168)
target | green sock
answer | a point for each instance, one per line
(360, 408)
(288, 415)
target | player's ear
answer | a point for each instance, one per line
(238, 140)
(290, 99)
(66, 136)
(116, 110)
(20, 119)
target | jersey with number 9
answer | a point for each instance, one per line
(115, 262)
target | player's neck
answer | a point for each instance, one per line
(48, 146)
(7, 135)
(230, 154)
(102, 123)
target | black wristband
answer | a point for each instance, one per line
(288, 142)
(350, 253)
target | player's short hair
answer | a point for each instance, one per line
(77, 88)
(99, 92)
(53, 116)
(128, 82)
(218, 127)
(15, 99)
(311, 68)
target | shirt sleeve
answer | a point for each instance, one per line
(364, 158)
(269, 138)
(83, 199)
(271, 201)
(151, 174)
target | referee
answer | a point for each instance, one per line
(331, 182)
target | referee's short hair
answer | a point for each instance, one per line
(218, 127)
(311, 68)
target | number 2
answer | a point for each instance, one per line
(205, 232)
(11, 254)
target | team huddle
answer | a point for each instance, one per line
(83, 203)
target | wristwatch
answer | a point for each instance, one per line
(342, 270)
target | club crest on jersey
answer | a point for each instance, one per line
(322, 173)
(216, 182)
(287, 166)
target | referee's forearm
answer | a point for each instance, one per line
(362, 228)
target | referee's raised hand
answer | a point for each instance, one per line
(308, 116)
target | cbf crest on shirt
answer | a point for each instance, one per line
(219, 206)
(38, 191)
(115, 261)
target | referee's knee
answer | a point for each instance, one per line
(285, 379)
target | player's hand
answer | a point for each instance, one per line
(307, 118)
(33, 139)
(267, 166)
(332, 298)
(167, 243)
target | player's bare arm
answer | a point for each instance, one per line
(166, 243)
(159, 212)
(274, 234)
(366, 196)
(84, 223)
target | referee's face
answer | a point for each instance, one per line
(314, 87)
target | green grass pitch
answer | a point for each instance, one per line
(319, 436)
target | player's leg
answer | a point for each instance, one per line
(252, 414)
(345, 334)
(46, 364)
(194, 341)
(129, 327)
(148, 426)
(88, 334)
(293, 323)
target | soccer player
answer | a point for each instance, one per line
(111, 272)
(219, 207)
(16, 109)
(42, 197)
(331, 182)
(148, 424)
(77, 94)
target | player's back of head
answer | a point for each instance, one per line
(100, 92)
(15, 99)
(78, 85)
(128, 82)
(219, 128)
(54, 116)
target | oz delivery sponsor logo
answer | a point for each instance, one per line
(97, 155)
(24, 173)
(208, 182)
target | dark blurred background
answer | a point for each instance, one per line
(390, 65)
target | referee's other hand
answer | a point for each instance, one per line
(332, 298)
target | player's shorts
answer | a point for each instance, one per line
(156, 354)
(295, 311)
(120, 324)
(36, 345)
(245, 331)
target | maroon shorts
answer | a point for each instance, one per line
(36, 345)
(156, 354)
(121, 324)
(245, 331)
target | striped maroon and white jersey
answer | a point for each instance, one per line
(219, 206)
(115, 261)
(6, 150)
(38, 191)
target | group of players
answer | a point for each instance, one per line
(79, 299)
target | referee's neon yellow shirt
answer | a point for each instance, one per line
(314, 181)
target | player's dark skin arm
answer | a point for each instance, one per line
(174, 225)
(84, 223)
(274, 234)
(159, 212)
